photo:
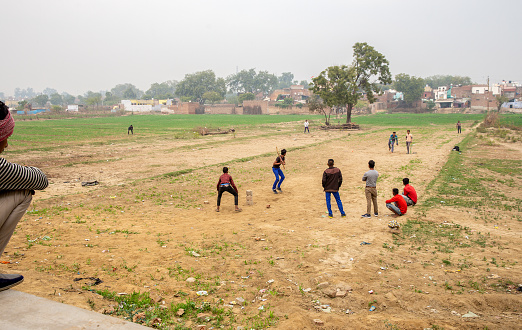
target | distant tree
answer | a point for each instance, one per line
(212, 97)
(130, 94)
(430, 105)
(56, 108)
(194, 85)
(343, 85)
(21, 105)
(49, 91)
(68, 98)
(40, 100)
(120, 89)
(56, 99)
(304, 83)
(164, 90)
(246, 97)
(316, 104)
(81, 99)
(447, 80)
(27, 93)
(93, 99)
(411, 87)
(2, 96)
(242, 82)
(232, 99)
(501, 99)
(248, 81)
(285, 80)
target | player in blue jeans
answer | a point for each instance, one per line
(279, 176)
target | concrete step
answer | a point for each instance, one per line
(23, 311)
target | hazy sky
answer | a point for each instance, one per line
(76, 46)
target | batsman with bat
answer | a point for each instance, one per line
(276, 168)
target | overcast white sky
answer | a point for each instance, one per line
(76, 46)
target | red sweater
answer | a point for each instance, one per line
(410, 192)
(401, 203)
(226, 178)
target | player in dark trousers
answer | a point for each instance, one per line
(332, 181)
(279, 176)
(225, 183)
(131, 130)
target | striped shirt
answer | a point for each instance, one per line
(18, 177)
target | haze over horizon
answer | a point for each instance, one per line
(77, 46)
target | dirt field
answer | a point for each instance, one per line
(147, 228)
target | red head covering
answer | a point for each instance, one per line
(6, 127)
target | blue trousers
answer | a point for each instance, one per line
(279, 177)
(337, 199)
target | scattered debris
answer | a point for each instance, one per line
(90, 183)
(470, 314)
(95, 280)
(365, 243)
(190, 280)
(180, 312)
(202, 293)
(318, 322)
(372, 308)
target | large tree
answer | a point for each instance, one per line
(40, 100)
(316, 104)
(447, 80)
(411, 87)
(345, 85)
(93, 99)
(194, 85)
(248, 81)
(285, 80)
(56, 99)
(164, 90)
(128, 89)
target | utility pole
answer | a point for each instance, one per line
(487, 97)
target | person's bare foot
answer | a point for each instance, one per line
(217, 210)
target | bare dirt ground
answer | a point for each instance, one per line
(141, 231)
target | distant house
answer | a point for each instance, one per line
(428, 93)
(296, 92)
(74, 107)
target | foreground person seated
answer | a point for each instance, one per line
(17, 185)
(397, 204)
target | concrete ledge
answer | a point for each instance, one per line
(23, 311)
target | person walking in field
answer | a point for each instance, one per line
(397, 204)
(371, 190)
(409, 140)
(394, 139)
(130, 129)
(332, 181)
(459, 127)
(306, 123)
(409, 194)
(276, 168)
(17, 186)
(225, 183)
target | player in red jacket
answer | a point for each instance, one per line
(397, 204)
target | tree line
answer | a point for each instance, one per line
(202, 87)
